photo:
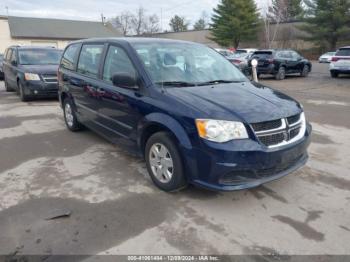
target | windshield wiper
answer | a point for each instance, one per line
(220, 81)
(176, 83)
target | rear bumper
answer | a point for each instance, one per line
(40, 89)
(246, 164)
(270, 69)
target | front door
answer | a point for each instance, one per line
(119, 109)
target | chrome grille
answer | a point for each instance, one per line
(49, 78)
(279, 132)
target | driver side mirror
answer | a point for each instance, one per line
(124, 80)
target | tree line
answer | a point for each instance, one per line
(326, 22)
(140, 23)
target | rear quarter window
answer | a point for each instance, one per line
(69, 57)
(343, 52)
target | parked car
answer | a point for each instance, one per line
(245, 51)
(340, 62)
(193, 115)
(279, 63)
(326, 58)
(31, 71)
(241, 61)
(1, 70)
(224, 52)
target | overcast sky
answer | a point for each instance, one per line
(92, 9)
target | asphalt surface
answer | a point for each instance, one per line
(114, 208)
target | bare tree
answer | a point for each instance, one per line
(152, 24)
(270, 32)
(123, 22)
(139, 21)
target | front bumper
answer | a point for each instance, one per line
(244, 164)
(40, 89)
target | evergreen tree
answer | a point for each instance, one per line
(178, 24)
(327, 22)
(234, 21)
(200, 24)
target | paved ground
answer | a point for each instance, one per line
(117, 210)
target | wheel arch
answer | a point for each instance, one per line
(157, 122)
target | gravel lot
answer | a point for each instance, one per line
(115, 209)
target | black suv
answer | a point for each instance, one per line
(280, 63)
(31, 71)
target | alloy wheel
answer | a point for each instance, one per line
(161, 163)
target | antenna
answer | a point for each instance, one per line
(7, 10)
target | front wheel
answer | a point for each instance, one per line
(334, 74)
(305, 72)
(70, 117)
(164, 163)
(7, 87)
(22, 95)
(281, 74)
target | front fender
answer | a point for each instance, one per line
(168, 122)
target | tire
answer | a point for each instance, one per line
(160, 149)
(22, 95)
(70, 117)
(7, 87)
(305, 72)
(334, 74)
(281, 74)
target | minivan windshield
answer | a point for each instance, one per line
(186, 64)
(39, 57)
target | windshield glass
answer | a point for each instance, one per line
(39, 57)
(186, 64)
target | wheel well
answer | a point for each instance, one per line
(151, 130)
(63, 97)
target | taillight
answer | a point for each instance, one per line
(270, 61)
(335, 59)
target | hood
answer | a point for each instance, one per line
(247, 102)
(40, 69)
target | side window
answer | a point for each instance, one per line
(8, 55)
(13, 57)
(117, 61)
(295, 55)
(89, 60)
(69, 55)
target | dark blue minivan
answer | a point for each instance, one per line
(193, 115)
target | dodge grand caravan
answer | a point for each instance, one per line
(192, 114)
(31, 71)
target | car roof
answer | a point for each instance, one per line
(345, 47)
(30, 47)
(134, 40)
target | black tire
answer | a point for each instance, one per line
(178, 180)
(71, 121)
(7, 87)
(22, 95)
(334, 74)
(281, 74)
(305, 72)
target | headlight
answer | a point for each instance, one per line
(220, 131)
(31, 77)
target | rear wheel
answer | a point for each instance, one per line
(281, 74)
(70, 116)
(164, 162)
(334, 74)
(305, 72)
